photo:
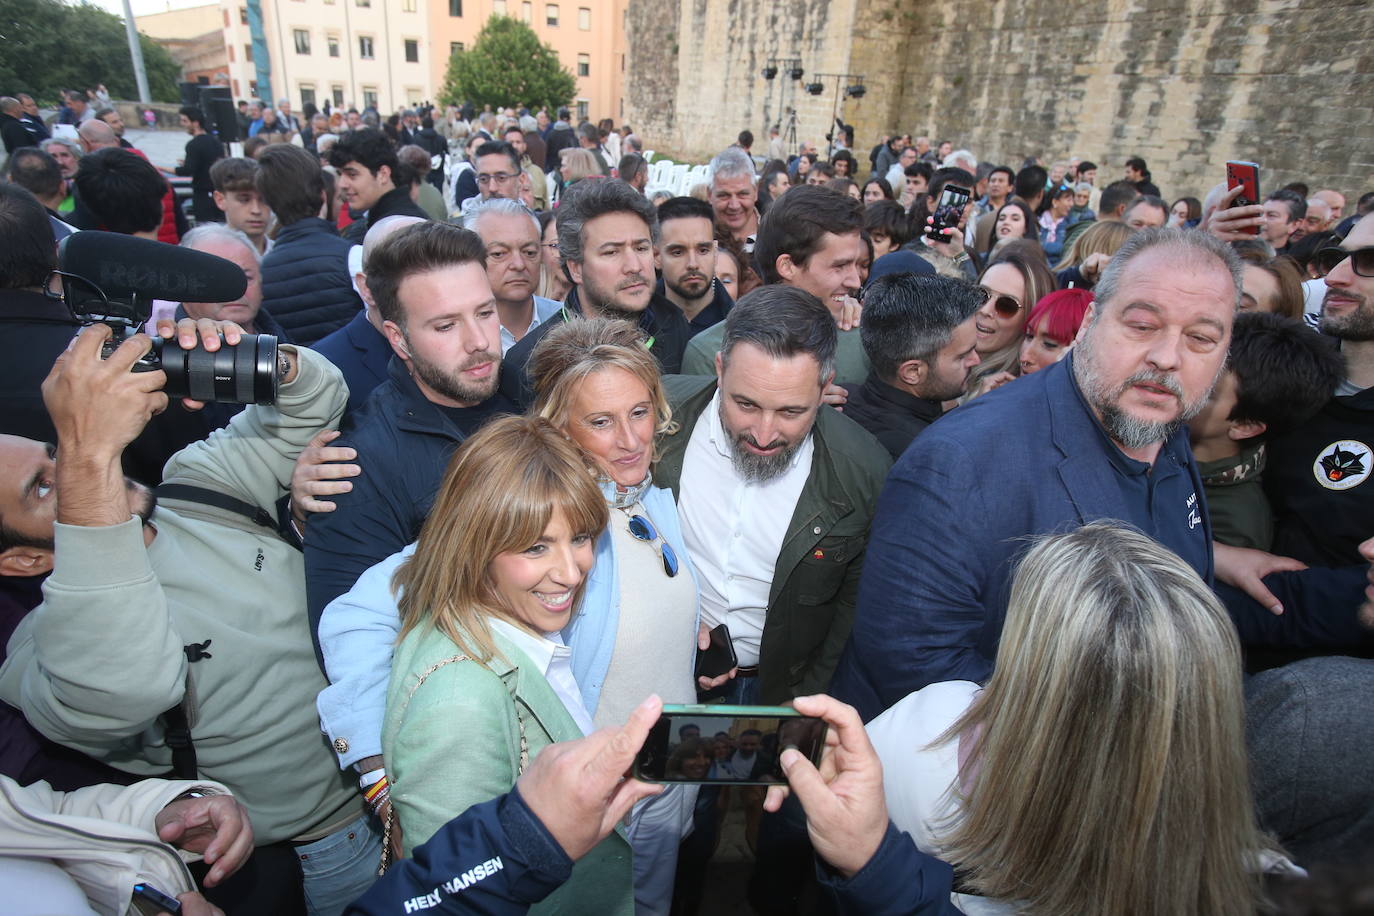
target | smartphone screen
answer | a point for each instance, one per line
(726, 744)
(949, 210)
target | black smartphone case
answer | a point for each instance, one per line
(720, 657)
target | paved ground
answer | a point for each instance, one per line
(162, 147)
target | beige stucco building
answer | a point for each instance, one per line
(393, 53)
(588, 35)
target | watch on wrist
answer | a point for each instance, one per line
(283, 366)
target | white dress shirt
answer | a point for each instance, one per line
(554, 661)
(541, 312)
(734, 529)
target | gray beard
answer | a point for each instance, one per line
(1126, 430)
(758, 468)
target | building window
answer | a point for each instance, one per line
(413, 96)
(226, 18)
(302, 37)
(584, 65)
(369, 96)
(243, 15)
(230, 49)
(455, 47)
(333, 42)
(253, 88)
(337, 92)
(584, 18)
(412, 51)
(307, 95)
(583, 109)
(455, 7)
(407, 6)
(364, 2)
(527, 11)
(247, 54)
(551, 15)
(365, 47)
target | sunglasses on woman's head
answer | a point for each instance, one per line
(1361, 260)
(1004, 305)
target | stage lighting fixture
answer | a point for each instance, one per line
(795, 73)
(856, 92)
(815, 88)
(770, 72)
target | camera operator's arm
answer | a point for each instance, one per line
(100, 659)
(253, 457)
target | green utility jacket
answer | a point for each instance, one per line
(816, 578)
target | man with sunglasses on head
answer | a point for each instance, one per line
(1318, 476)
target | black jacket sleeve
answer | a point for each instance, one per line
(899, 880)
(494, 858)
(1321, 611)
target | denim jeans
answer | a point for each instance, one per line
(339, 868)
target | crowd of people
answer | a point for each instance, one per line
(1055, 507)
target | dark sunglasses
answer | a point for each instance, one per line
(1361, 260)
(642, 529)
(1004, 305)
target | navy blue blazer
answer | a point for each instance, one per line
(955, 515)
(361, 352)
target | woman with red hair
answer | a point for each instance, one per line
(1052, 326)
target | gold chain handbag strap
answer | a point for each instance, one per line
(390, 821)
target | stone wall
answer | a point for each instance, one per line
(1186, 84)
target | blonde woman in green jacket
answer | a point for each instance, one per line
(481, 680)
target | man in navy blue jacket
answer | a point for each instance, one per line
(305, 275)
(1100, 435)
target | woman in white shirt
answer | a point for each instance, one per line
(1103, 768)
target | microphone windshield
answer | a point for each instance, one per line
(126, 268)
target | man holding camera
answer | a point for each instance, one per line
(179, 639)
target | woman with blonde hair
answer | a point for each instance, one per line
(575, 164)
(1089, 252)
(481, 679)
(553, 282)
(636, 630)
(1103, 768)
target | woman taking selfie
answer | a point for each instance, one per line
(1103, 768)
(481, 680)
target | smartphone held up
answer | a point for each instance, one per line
(1244, 175)
(716, 744)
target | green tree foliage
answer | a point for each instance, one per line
(507, 65)
(47, 46)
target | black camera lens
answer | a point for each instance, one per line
(245, 373)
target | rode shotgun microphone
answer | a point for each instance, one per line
(113, 278)
(132, 272)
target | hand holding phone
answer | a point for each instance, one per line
(718, 656)
(948, 212)
(1243, 175)
(740, 745)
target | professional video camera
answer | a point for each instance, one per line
(113, 279)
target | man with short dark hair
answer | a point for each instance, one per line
(1318, 476)
(538, 181)
(745, 140)
(429, 282)
(776, 491)
(112, 118)
(606, 236)
(1029, 186)
(202, 151)
(895, 173)
(76, 111)
(634, 171)
(33, 328)
(589, 138)
(920, 338)
(999, 182)
(32, 118)
(371, 179)
(1138, 174)
(811, 239)
(37, 172)
(120, 192)
(1283, 212)
(1146, 212)
(1112, 204)
(305, 275)
(686, 258)
(236, 195)
(497, 170)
